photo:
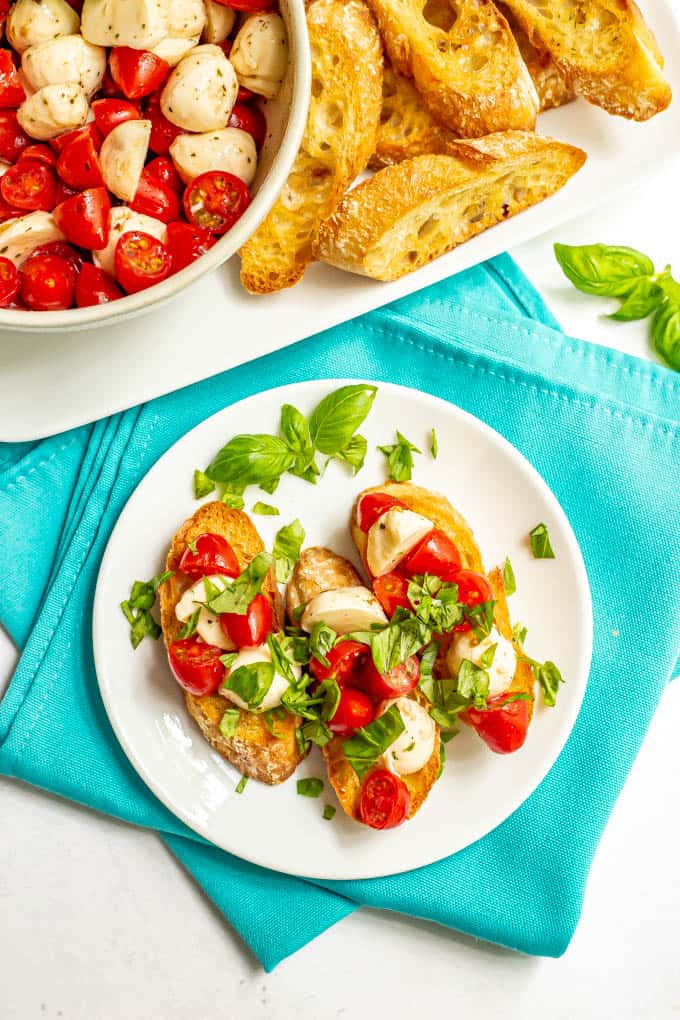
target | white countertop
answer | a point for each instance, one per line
(98, 921)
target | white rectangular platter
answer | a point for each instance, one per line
(50, 383)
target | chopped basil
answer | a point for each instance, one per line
(338, 416)
(298, 612)
(228, 658)
(354, 453)
(316, 732)
(233, 498)
(509, 582)
(280, 651)
(549, 677)
(321, 640)
(268, 720)
(250, 682)
(434, 444)
(328, 812)
(402, 638)
(241, 784)
(311, 787)
(519, 633)
(329, 692)
(241, 592)
(286, 551)
(265, 509)
(442, 759)
(189, 626)
(229, 723)
(366, 745)
(400, 458)
(251, 460)
(481, 618)
(446, 735)
(192, 547)
(137, 608)
(473, 683)
(540, 543)
(445, 700)
(202, 484)
(486, 659)
(435, 602)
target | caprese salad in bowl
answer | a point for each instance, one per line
(141, 143)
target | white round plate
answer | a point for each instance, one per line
(502, 497)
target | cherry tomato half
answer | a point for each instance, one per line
(153, 198)
(248, 5)
(62, 251)
(48, 283)
(196, 665)
(29, 185)
(163, 169)
(473, 589)
(89, 130)
(12, 92)
(385, 800)
(355, 709)
(436, 554)
(137, 73)
(12, 136)
(250, 119)
(84, 218)
(78, 164)
(213, 555)
(502, 725)
(140, 261)
(8, 212)
(186, 243)
(215, 200)
(63, 192)
(346, 661)
(248, 630)
(163, 133)
(391, 591)
(372, 506)
(109, 113)
(95, 287)
(10, 281)
(394, 684)
(40, 153)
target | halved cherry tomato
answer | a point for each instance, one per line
(163, 169)
(12, 136)
(355, 709)
(140, 261)
(372, 506)
(89, 130)
(8, 212)
(29, 186)
(40, 153)
(346, 660)
(109, 113)
(4, 11)
(48, 283)
(10, 281)
(137, 73)
(95, 287)
(78, 164)
(243, 95)
(473, 589)
(226, 46)
(186, 243)
(12, 92)
(215, 200)
(250, 119)
(248, 630)
(153, 198)
(395, 684)
(502, 725)
(63, 192)
(108, 86)
(213, 555)
(163, 133)
(391, 591)
(385, 800)
(248, 5)
(196, 665)
(62, 251)
(84, 219)
(436, 554)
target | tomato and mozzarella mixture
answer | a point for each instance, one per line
(129, 139)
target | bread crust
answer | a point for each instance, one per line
(253, 750)
(407, 128)
(409, 214)
(552, 86)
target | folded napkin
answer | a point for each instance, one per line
(599, 426)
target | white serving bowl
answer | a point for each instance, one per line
(286, 117)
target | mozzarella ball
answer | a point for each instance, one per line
(260, 53)
(219, 21)
(122, 220)
(67, 58)
(140, 24)
(172, 49)
(185, 18)
(31, 22)
(231, 149)
(20, 236)
(201, 91)
(122, 157)
(52, 110)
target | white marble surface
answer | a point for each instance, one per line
(98, 922)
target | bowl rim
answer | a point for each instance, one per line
(19, 320)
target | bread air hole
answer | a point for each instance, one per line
(440, 14)
(428, 227)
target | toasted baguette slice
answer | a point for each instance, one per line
(253, 749)
(339, 138)
(409, 214)
(604, 49)
(318, 570)
(464, 60)
(407, 128)
(552, 86)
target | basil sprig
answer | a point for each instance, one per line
(367, 744)
(137, 608)
(617, 271)
(540, 543)
(286, 550)
(241, 592)
(400, 458)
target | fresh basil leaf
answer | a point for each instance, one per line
(295, 431)
(487, 657)
(311, 787)
(316, 732)
(192, 546)
(228, 659)
(137, 608)
(642, 299)
(265, 509)
(666, 334)
(189, 626)
(211, 590)
(435, 602)
(428, 659)
(447, 735)
(268, 720)
(287, 546)
(473, 683)
(298, 612)
(446, 701)
(300, 741)
(519, 633)
(282, 664)
(328, 812)
(240, 787)
(202, 484)
(241, 592)
(251, 460)
(321, 640)
(400, 458)
(250, 682)
(481, 618)
(354, 453)
(232, 496)
(338, 416)
(366, 745)
(540, 543)
(329, 691)
(442, 760)
(434, 444)
(397, 642)
(270, 486)
(229, 723)
(509, 582)
(550, 678)
(606, 270)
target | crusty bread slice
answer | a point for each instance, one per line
(253, 749)
(317, 570)
(407, 128)
(464, 61)
(552, 86)
(604, 49)
(339, 138)
(407, 215)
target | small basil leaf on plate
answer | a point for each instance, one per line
(606, 270)
(270, 486)
(666, 334)
(232, 496)
(328, 812)
(540, 543)
(338, 416)
(400, 458)
(241, 592)
(519, 633)
(295, 431)
(366, 745)
(287, 546)
(241, 784)
(509, 582)
(229, 723)
(250, 682)
(354, 453)
(251, 460)
(265, 509)
(642, 299)
(550, 678)
(202, 484)
(311, 787)
(434, 444)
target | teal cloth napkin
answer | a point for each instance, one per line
(600, 427)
